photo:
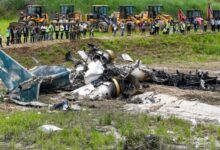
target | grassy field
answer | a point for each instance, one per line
(4, 23)
(163, 49)
(170, 6)
(21, 129)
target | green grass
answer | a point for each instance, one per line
(168, 49)
(80, 130)
(163, 49)
(4, 23)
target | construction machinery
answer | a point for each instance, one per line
(67, 14)
(192, 14)
(34, 14)
(154, 12)
(99, 17)
(127, 14)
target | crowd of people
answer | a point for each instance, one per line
(35, 33)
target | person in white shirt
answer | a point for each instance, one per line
(122, 29)
(114, 29)
(218, 24)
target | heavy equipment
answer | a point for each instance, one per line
(192, 14)
(67, 14)
(154, 12)
(99, 17)
(35, 14)
(127, 14)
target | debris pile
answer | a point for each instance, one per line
(95, 76)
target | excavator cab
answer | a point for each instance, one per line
(216, 14)
(35, 10)
(67, 10)
(126, 11)
(98, 11)
(154, 11)
(34, 15)
(192, 14)
(99, 17)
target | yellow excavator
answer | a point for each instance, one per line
(33, 15)
(154, 12)
(99, 18)
(67, 14)
(126, 14)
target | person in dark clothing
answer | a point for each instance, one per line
(25, 33)
(91, 31)
(195, 25)
(1, 41)
(66, 30)
(19, 34)
(205, 25)
(213, 25)
(129, 28)
(8, 34)
(12, 35)
(33, 34)
(57, 30)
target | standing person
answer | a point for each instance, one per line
(205, 25)
(84, 30)
(122, 28)
(36, 33)
(182, 27)
(57, 30)
(78, 31)
(218, 24)
(66, 30)
(8, 36)
(168, 27)
(188, 27)
(157, 27)
(47, 32)
(61, 31)
(75, 32)
(143, 28)
(32, 34)
(51, 31)
(43, 32)
(25, 33)
(71, 29)
(81, 29)
(171, 27)
(12, 35)
(19, 33)
(195, 24)
(91, 31)
(114, 30)
(1, 41)
(213, 25)
(129, 28)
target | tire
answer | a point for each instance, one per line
(103, 27)
(31, 23)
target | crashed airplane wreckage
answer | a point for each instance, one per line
(95, 76)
